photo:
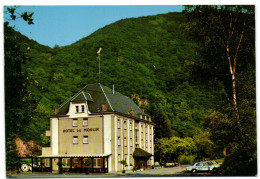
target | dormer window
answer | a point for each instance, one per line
(77, 108)
(82, 108)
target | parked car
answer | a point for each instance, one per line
(202, 167)
(215, 162)
(168, 164)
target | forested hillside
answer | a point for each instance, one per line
(155, 58)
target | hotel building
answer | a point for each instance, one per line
(101, 127)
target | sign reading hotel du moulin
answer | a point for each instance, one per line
(81, 130)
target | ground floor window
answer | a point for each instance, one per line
(126, 160)
(46, 162)
(66, 162)
(75, 160)
(97, 163)
(130, 160)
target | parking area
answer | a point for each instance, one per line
(160, 172)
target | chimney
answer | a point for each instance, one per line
(56, 111)
(104, 107)
(142, 109)
(132, 111)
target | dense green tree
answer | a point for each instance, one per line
(172, 148)
(222, 30)
(204, 145)
(19, 101)
(226, 36)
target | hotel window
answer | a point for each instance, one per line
(75, 160)
(130, 126)
(130, 160)
(126, 159)
(85, 121)
(119, 158)
(136, 136)
(75, 139)
(118, 123)
(66, 162)
(125, 141)
(85, 140)
(131, 142)
(124, 124)
(142, 128)
(82, 108)
(77, 108)
(46, 162)
(118, 141)
(97, 163)
(75, 122)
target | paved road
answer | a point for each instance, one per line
(161, 172)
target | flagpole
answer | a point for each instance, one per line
(99, 64)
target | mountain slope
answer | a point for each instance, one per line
(148, 57)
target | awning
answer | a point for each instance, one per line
(74, 156)
(141, 153)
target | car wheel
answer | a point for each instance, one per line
(25, 167)
(214, 170)
(193, 171)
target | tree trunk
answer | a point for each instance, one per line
(235, 98)
(160, 157)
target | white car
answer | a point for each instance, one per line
(202, 167)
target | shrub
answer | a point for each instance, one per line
(190, 159)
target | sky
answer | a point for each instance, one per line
(64, 25)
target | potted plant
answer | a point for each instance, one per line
(60, 166)
(123, 162)
(134, 169)
(87, 163)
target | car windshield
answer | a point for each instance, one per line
(209, 163)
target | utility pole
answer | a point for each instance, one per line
(99, 64)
